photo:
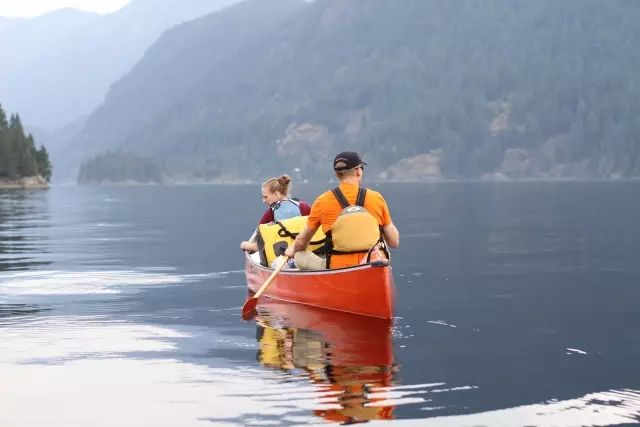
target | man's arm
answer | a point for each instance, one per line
(391, 235)
(301, 242)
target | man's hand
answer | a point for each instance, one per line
(289, 253)
(301, 242)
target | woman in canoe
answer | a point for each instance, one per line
(275, 194)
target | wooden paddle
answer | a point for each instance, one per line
(250, 304)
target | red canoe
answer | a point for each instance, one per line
(365, 289)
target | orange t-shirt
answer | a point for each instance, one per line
(326, 208)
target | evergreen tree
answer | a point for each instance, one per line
(18, 154)
(43, 163)
(3, 119)
(27, 165)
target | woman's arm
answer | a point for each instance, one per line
(249, 246)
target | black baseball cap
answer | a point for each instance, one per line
(347, 160)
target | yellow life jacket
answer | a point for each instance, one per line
(355, 229)
(274, 238)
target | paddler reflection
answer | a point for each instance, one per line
(347, 357)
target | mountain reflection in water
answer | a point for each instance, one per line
(346, 357)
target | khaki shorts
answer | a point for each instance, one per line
(307, 260)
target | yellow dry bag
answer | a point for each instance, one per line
(355, 230)
(274, 238)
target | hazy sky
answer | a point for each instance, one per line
(14, 8)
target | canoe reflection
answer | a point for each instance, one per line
(345, 356)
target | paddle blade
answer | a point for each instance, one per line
(249, 308)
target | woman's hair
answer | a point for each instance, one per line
(280, 184)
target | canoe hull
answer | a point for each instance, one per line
(366, 289)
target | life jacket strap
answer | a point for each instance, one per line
(328, 249)
(382, 245)
(276, 205)
(284, 232)
(341, 198)
(362, 194)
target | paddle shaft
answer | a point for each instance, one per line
(253, 236)
(273, 275)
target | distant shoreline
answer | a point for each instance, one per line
(180, 183)
(24, 183)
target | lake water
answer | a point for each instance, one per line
(517, 304)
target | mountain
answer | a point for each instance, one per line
(57, 143)
(58, 67)
(423, 88)
(23, 41)
(180, 60)
(176, 65)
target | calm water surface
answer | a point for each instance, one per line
(517, 304)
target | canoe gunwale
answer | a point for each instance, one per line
(375, 264)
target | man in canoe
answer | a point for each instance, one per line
(355, 220)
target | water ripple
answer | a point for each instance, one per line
(90, 282)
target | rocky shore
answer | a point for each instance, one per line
(27, 182)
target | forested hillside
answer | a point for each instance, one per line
(115, 167)
(423, 88)
(18, 154)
